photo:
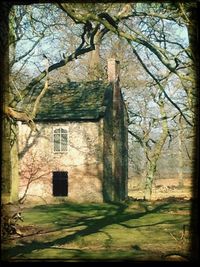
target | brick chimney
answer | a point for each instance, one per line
(116, 128)
(113, 70)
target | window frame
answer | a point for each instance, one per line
(60, 128)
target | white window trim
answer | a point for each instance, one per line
(56, 128)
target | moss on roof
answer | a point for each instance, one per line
(74, 101)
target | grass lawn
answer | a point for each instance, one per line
(136, 231)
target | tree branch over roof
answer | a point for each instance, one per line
(112, 25)
(81, 49)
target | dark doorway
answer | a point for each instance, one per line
(60, 184)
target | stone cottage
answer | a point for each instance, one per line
(79, 151)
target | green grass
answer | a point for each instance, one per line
(77, 232)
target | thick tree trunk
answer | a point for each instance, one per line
(193, 34)
(9, 151)
(95, 71)
(193, 31)
(10, 163)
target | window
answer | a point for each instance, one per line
(60, 184)
(60, 140)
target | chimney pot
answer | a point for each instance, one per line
(113, 70)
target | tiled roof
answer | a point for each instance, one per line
(75, 101)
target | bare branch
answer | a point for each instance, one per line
(78, 52)
(136, 137)
(38, 99)
(161, 87)
(20, 116)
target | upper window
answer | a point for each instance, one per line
(60, 140)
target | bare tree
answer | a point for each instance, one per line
(33, 170)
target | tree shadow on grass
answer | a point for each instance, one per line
(91, 227)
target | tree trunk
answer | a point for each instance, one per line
(194, 44)
(10, 163)
(180, 154)
(95, 72)
(9, 150)
(151, 169)
(193, 34)
(155, 154)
